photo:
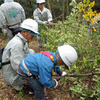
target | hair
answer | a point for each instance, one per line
(40, 3)
(57, 53)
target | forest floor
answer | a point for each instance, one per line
(8, 93)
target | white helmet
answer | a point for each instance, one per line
(40, 1)
(31, 25)
(8, 0)
(68, 54)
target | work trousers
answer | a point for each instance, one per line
(36, 87)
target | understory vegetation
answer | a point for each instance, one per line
(75, 31)
(84, 75)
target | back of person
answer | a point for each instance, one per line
(37, 69)
(13, 14)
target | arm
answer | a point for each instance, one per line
(2, 19)
(49, 16)
(3, 22)
(46, 78)
(57, 70)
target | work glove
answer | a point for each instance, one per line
(63, 73)
(56, 83)
(49, 23)
(4, 31)
(45, 22)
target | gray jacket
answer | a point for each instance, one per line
(44, 16)
(16, 50)
(13, 13)
(2, 19)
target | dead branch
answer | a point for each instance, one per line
(57, 24)
(81, 75)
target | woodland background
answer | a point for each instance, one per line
(59, 8)
(71, 22)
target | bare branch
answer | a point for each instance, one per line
(57, 24)
(81, 75)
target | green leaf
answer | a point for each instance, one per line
(99, 24)
(88, 1)
(84, 60)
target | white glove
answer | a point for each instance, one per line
(63, 73)
(56, 83)
(49, 23)
(4, 31)
(31, 51)
(45, 22)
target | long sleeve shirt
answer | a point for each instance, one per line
(16, 50)
(42, 16)
(41, 66)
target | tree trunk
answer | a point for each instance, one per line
(49, 5)
(63, 6)
(67, 8)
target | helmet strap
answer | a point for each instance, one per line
(26, 35)
(58, 58)
(57, 53)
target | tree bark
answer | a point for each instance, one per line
(63, 6)
(67, 8)
(49, 5)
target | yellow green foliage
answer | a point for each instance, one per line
(85, 8)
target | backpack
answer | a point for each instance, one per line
(15, 30)
(2, 63)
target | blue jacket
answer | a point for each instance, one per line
(42, 66)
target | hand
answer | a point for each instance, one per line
(56, 83)
(45, 22)
(49, 23)
(4, 31)
(63, 73)
(58, 79)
